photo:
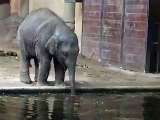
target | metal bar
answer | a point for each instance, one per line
(122, 30)
(101, 32)
(149, 38)
(81, 52)
(158, 50)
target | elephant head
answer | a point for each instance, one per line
(64, 46)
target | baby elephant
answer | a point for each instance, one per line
(43, 36)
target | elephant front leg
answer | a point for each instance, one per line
(36, 69)
(59, 73)
(44, 68)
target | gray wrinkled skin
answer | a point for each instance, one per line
(43, 36)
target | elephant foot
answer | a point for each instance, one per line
(59, 84)
(42, 84)
(26, 81)
(25, 78)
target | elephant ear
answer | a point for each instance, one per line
(51, 45)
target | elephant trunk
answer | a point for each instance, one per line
(71, 70)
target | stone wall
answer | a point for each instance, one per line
(118, 36)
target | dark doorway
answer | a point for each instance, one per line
(153, 44)
(4, 1)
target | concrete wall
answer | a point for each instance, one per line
(54, 5)
(78, 22)
(64, 10)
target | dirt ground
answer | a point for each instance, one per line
(89, 74)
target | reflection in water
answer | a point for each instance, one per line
(57, 112)
(56, 107)
(81, 107)
(151, 108)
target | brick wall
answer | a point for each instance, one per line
(91, 28)
(112, 23)
(124, 26)
(135, 31)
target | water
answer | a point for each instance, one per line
(135, 106)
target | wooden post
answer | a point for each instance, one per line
(24, 8)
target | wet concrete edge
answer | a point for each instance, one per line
(109, 89)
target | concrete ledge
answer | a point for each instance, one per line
(52, 89)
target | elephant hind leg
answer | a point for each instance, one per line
(25, 63)
(24, 73)
(59, 73)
